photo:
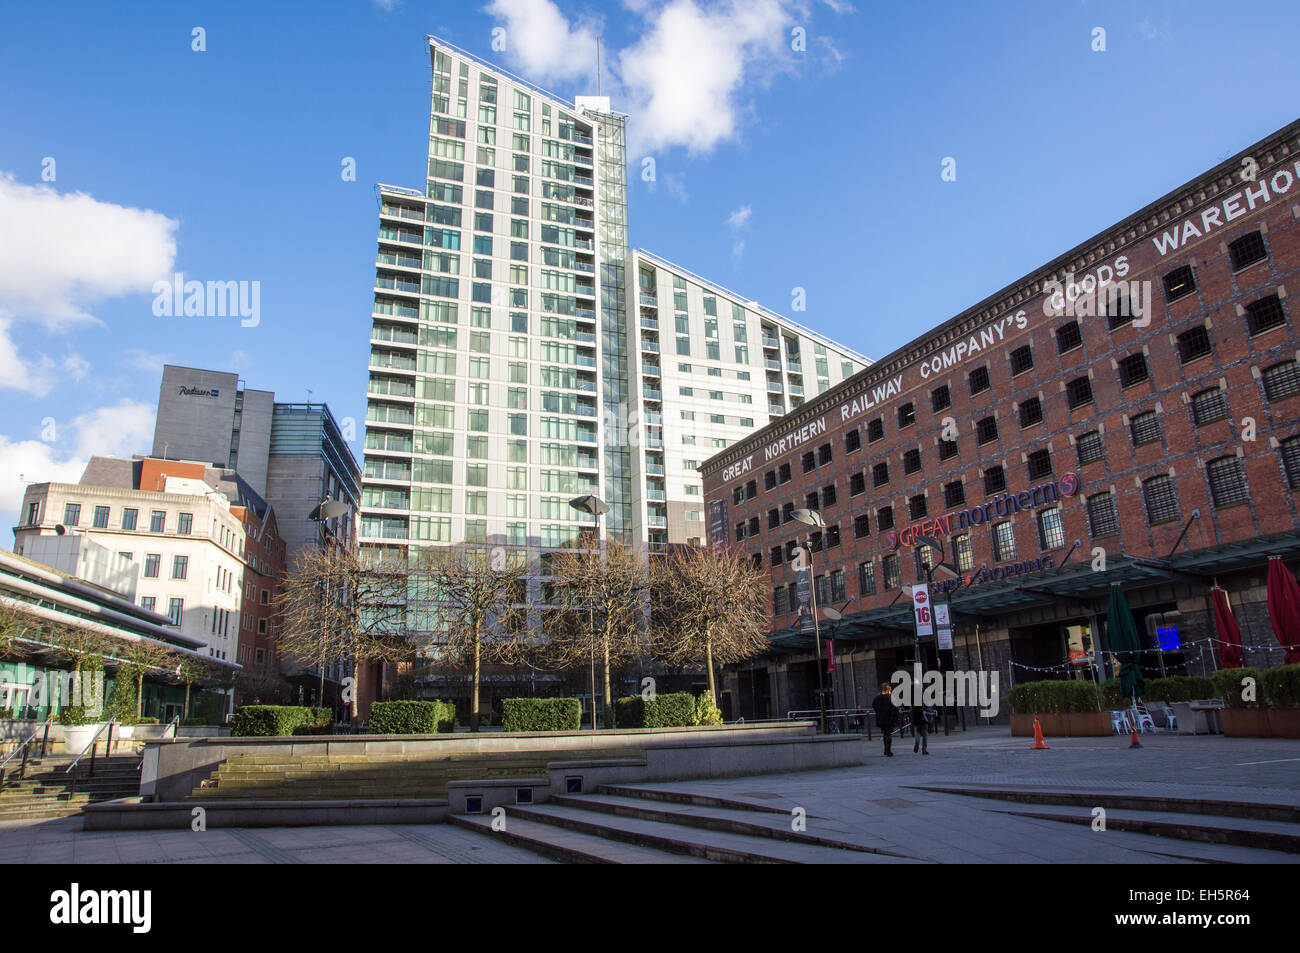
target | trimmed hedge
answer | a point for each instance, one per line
(541, 714)
(411, 717)
(1052, 696)
(673, 710)
(1179, 688)
(1282, 686)
(278, 720)
(1227, 685)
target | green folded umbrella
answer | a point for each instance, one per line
(1124, 642)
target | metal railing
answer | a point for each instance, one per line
(838, 720)
(25, 747)
(93, 747)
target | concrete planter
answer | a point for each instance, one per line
(77, 739)
(1246, 723)
(123, 731)
(1284, 722)
(1073, 724)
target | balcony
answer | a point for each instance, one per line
(649, 300)
(650, 346)
(581, 139)
(796, 389)
(654, 443)
(650, 370)
(654, 420)
(583, 243)
(398, 211)
(794, 367)
(394, 336)
(582, 160)
(656, 495)
(651, 324)
(657, 521)
(772, 365)
(582, 360)
(773, 386)
(587, 291)
(584, 312)
(586, 266)
(770, 342)
(587, 462)
(656, 469)
(649, 393)
(586, 337)
(777, 409)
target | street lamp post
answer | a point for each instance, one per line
(930, 570)
(814, 518)
(596, 507)
(325, 511)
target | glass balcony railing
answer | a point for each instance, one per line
(651, 370)
(651, 324)
(655, 468)
(775, 409)
(772, 365)
(649, 300)
(659, 521)
(774, 386)
(650, 393)
(796, 389)
(654, 420)
(770, 341)
(650, 346)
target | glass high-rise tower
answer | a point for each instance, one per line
(522, 354)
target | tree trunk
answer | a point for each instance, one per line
(708, 664)
(185, 712)
(356, 690)
(473, 692)
(609, 708)
(139, 695)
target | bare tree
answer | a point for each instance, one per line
(474, 598)
(142, 656)
(709, 607)
(601, 600)
(338, 604)
(19, 625)
(190, 669)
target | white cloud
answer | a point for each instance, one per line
(543, 44)
(675, 185)
(60, 255)
(683, 79)
(840, 7)
(738, 222)
(740, 217)
(76, 366)
(120, 430)
(142, 360)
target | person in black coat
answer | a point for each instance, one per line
(921, 728)
(886, 716)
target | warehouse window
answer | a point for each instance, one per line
(824, 455)
(912, 461)
(1040, 464)
(1051, 531)
(1247, 250)
(1290, 450)
(1091, 447)
(979, 380)
(1281, 380)
(880, 474)
(954, 494)
(940, 398)
(1179, 283)
(995, 480)
(889, 567)
(947, 448)
(1022, 359)
(861, 525)
(875, 430)
(1161, 500)
(1133, 370)
(1068, 337)
(809, 461)
(775, 555)
(1078, 392)
(1209, 406)
(857, 483)
(1031, 412)
(853, 440)
(906, 415)
(1102, 518)
(987, 430)
(1117, 307)
(963, 556)
(1145, 428)
(867, 578)
(1192, 344)
(916, 507)
(1004, 542)
(1227, 481)
(885, 518)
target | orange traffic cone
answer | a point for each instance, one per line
(1133, 740)
(1039, 744)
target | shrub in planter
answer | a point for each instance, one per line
(272, 720)
(707, 713)
(541, 714)
(1282, 686)
(74, 716)
(1053, 696)
(146, 721)
(1227, 685)
(6, 712)
(411, 717)
(673, 710)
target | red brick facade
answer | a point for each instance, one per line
(1152, 407)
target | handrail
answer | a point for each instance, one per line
(37, 730)
(93, 741)
(173, 724)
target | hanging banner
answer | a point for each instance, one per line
(803, 599)
(943, 625)
(922, 610)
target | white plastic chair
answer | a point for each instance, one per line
(1143, 718)
(1119, 722)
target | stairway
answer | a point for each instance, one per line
(629, 825)
(338, 777)
(48, 790)
(1242, 831)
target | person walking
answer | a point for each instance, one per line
(922, 729)
(886, 716)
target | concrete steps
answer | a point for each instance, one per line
(571, 847)
(1239, 831)
(48, 789)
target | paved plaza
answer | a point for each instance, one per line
(880, 805)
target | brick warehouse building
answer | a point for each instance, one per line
(1078, 404)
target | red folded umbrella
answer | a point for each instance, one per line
(1229, 632)
(1284, 608)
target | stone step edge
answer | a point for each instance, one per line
(1245, 810)
(708, 822)
(565, 853)
(1196, 833)
(684, 797)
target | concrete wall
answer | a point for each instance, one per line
(194, 426)
(173, 768)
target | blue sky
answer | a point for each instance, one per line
(775, 168)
